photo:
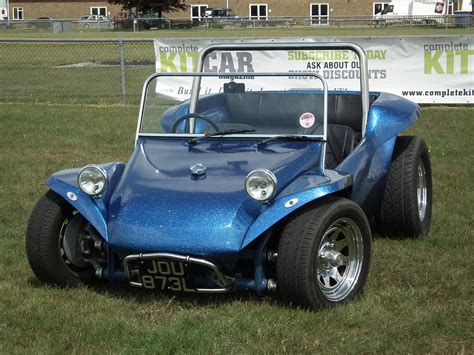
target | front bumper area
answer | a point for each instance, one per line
(173, 272)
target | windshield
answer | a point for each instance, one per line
(259, 104)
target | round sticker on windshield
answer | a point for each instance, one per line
(307, 120)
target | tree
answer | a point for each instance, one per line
(151, 6)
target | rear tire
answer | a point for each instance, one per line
(324, 255)
(407, 201)
(44, 233)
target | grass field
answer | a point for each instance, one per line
(418, 298)
(247, 32)
(82, 72)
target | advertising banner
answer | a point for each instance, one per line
(437, 70)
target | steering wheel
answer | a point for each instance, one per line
(195, 115)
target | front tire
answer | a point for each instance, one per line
(44, 243)
(407, 201)
(324, 255)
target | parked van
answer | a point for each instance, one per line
(3, 14)
(413, 11)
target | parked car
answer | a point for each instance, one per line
(94, 20)
(125, 20)
(219, 13)
(243, 185)
(149, 21)
(182, 24)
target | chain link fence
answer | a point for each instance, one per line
(74, 71)
(143, 24)
(450, 21)
(93, 71)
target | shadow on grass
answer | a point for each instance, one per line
(123, 290)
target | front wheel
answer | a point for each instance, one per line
(324, 255)
(52, 241)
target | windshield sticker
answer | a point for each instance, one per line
(307, 120)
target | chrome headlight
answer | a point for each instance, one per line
(261, 184)
(92, 179)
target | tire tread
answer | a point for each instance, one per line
(398, 213)
(297, 242)
(45, 221)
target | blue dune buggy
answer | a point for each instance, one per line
(251, 186)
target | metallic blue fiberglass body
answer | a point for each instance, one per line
(260, 181)
(153, 204)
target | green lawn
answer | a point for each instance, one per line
(418, 298)
(247, 32)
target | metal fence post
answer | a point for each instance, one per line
(122, 71)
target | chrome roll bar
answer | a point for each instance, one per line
(363, 65)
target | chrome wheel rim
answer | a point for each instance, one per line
(62, 232)
(421, 190)
(74, 269)
(339, 259)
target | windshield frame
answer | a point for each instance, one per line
(195, 96)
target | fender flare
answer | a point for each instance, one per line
(390, 115)
(282, 208)
(93, 209)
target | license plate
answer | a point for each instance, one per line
(165, 274)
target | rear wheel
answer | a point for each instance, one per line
(407, 201)
(324, 255)
(52, 259)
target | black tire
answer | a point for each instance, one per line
(43, 243)
(301, 270)
(402, 212)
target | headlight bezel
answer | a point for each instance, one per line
(268, 176)
(101, 172)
